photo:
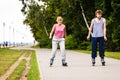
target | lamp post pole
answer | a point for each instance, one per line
(9, 36)
(13, 37)
(3, 34)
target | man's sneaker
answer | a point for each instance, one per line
(103, 63)
(51, 62)
(64, 63)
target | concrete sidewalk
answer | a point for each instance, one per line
(79, 67)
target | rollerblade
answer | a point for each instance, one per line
(102, 61)
(51, 62)
(93, 62)
(64, 63)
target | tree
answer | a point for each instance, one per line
(42, 17)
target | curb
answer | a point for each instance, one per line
(41, 75)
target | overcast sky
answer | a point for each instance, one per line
(14, 29)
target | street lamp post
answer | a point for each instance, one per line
(9, 36)
(13, 37)
(3, 34)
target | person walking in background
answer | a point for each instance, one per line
(59, 31)
(6, 44)
(98, 31)
(0, 45)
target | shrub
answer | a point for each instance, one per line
(70, 42)
(84, 45)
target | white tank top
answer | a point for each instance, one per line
(98, 28)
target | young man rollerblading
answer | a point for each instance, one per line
(98, 32)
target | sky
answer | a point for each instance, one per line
(11, 23)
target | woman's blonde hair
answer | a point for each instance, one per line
(59, 18)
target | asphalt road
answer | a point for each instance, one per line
(79, 66)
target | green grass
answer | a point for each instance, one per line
(83, 51)
(34, 74)
(7, 58)
(36, 46)
(18, 71)
(27, 53)
(114, 55)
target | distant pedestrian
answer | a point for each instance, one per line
(0, 45)
(98, 31)
(59, 31)
(6, 44)
(34, 42)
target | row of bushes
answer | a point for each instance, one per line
(70, 43)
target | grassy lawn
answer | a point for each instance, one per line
(35, 46)
(7, 58)
(28, 52)
(33, 74)
(17, 72)
(114, 55)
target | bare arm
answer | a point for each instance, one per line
(52, 31)
(65, 32)
(105, 30)
(90, 30)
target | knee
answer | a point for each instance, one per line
(62, 51)
(54, 51)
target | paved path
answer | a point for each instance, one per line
(79, 67)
